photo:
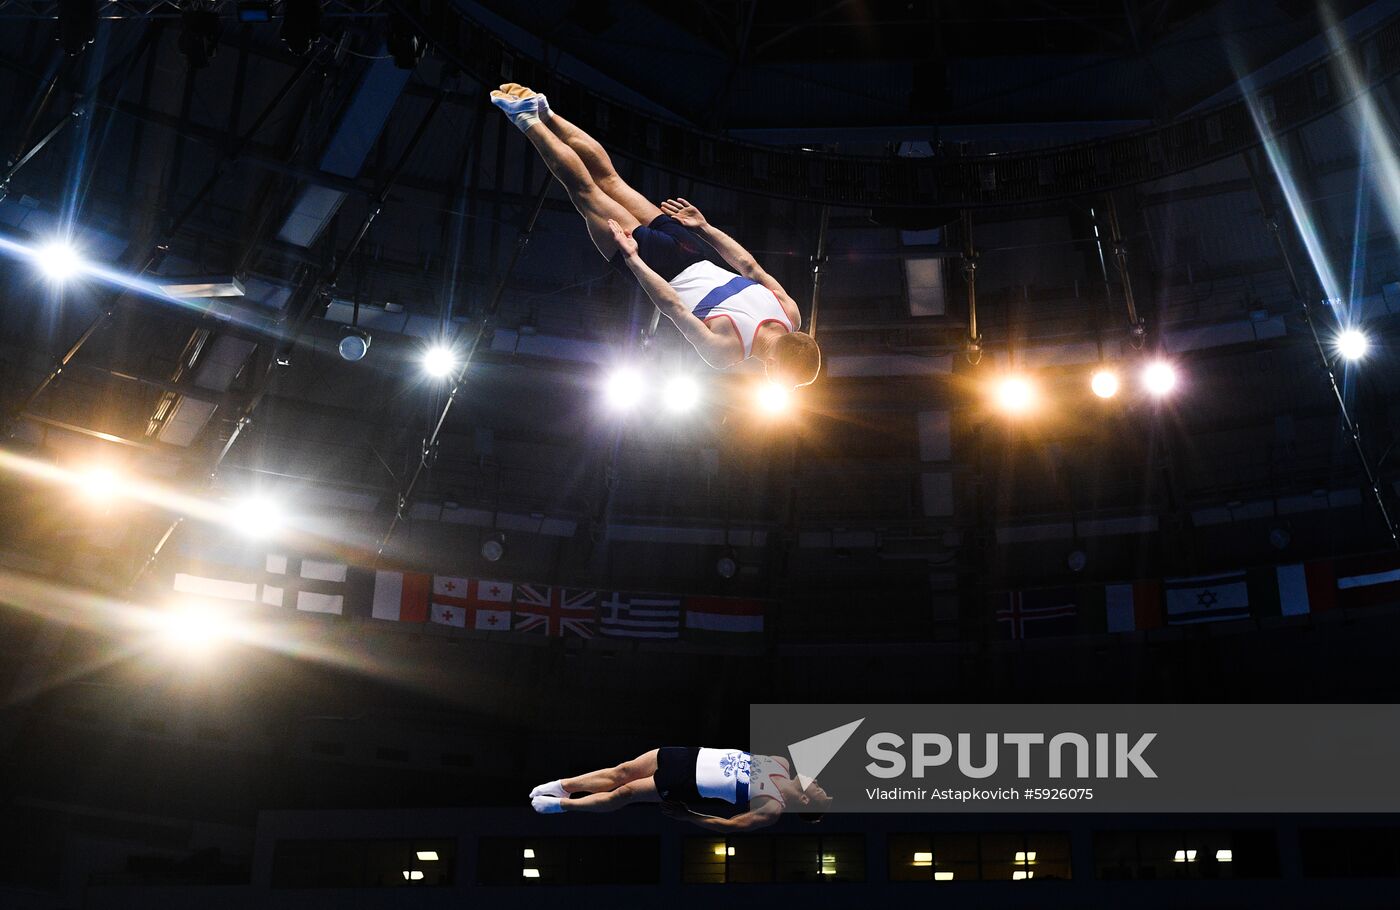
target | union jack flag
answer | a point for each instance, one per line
(554, 610)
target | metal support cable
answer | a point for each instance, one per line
(487, 318)
(23, 156)
(1301, 298)
(969, 269)
(28, 155)
(40, 106)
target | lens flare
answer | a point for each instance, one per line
(1159, 378)
(682, 394)
(1104, 383)
(193, 630)
(98, 486)
(773, 398)
(439, 361)
(257, 517)
(624, 389)
(58, 260)
(1353, 344)
(1015, 395)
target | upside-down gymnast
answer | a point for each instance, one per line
(678, 777)
(728, 317)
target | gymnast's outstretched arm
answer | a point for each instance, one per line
(710, 346)
(733, 252)
(760, 817)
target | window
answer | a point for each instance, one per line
(783, 858)
(1155, 855)
(968, 856)
(363, 863)
(533, 861)
(1350, 852)
(704, 860)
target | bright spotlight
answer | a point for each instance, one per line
(257, 516)
(1104, 383)
(439, 360)
(195, 629)
(773, 398)
(1159, 377)
(98, 486)
(624, 389)
(58, 260)
(1015, 394)
(1353, 344)
(682, 394)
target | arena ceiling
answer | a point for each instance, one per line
(450, 189)
(845, 65)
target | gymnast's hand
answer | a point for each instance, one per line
(673, 808)
(623, 239)
(683, 212)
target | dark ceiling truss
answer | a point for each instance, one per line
(157, 251)
(309, 301)
(318, 277)
(843, 180)
(170, 9)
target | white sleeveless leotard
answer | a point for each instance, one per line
(713, 293)
(723, 774)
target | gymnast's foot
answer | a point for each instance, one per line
(554, 788)
(523, 112)
(547, 805)
(516, 90)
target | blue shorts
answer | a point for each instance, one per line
(668, 247)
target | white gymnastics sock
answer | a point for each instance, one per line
(547, 805)
(554, 788)
(523, 112)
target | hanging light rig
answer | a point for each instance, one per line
(1137, 327)
(818, 261)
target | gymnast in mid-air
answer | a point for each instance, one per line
(728, 314)
(761, 787)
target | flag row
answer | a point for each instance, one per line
(476, 604)
(1288, 590)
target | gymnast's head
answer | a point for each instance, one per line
(794, 360)
(815, 802)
